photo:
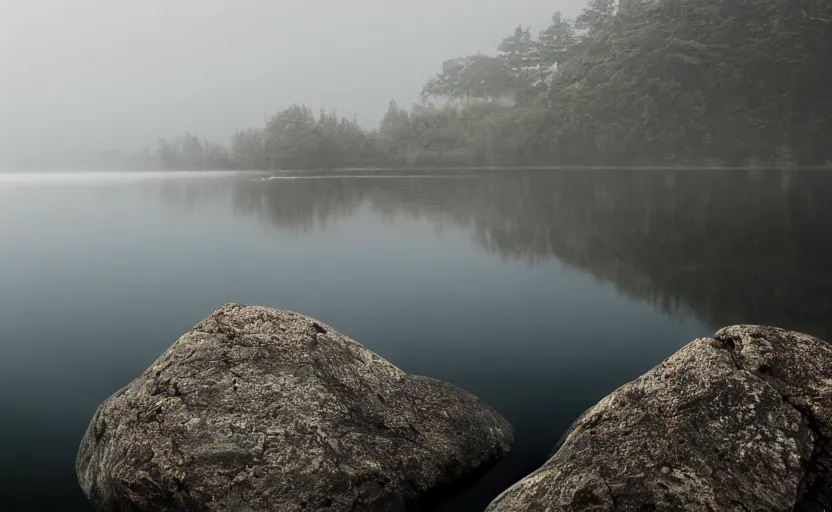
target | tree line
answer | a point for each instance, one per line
(628, 82)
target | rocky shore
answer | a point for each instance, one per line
(260, 409)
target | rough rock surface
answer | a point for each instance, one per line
(259, 409)
(742, 421)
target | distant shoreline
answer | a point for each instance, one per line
(403, 172)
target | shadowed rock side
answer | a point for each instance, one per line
(258, 409)
(742, 421)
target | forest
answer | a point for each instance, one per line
(626, 83)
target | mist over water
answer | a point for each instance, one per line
(538, 291)
(92, 76)
(535, 200)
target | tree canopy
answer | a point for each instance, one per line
(628, 82)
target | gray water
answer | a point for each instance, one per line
(538, 291)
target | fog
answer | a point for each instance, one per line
(92, 75)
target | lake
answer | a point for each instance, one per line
(538, 291)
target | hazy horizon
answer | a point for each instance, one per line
(116, 75)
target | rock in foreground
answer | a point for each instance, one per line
(259, 409)
(742, 421)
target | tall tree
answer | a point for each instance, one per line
(519, 54)
(395, 132)
(554, 46)
(293, 139)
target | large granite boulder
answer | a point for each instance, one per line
(742, 421)
(258, 409)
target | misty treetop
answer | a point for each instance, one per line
(629, 82)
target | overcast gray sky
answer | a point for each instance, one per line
(100, 74)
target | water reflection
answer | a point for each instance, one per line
(99, 279)
(729, 246)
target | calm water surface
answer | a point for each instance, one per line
(540, 292)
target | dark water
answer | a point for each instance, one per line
(540, 292)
